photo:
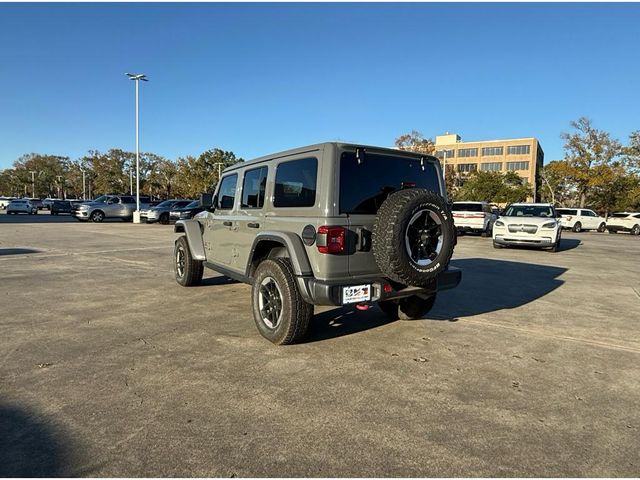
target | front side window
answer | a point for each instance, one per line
(253, 188)
(227, 192)
(295, 184)
(364, 186)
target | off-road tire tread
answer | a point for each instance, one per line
(300, 312)
(194, 269)
(388, 236)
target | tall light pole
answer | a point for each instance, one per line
(84, 191)
(136, 77)
(130, 181)
(33, 183)
(219, 164)
(59, 178)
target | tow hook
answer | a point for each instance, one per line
(362, 306)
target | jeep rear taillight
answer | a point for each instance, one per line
(331, 239)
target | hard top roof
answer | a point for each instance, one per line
(319, 146)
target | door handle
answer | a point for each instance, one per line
(253, 225)
(227, 223)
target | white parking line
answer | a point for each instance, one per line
(554, 336)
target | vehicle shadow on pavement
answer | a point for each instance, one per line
(41, 218)
(17, 251)
(344, 321)
(568, 244)
(565, 244)
(28, 446)
(216, 281)
(489, 285)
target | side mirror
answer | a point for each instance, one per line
(206, 200)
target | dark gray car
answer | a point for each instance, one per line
(161, 212)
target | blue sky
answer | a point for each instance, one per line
(259, 78)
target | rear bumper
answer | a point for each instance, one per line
(321, 292)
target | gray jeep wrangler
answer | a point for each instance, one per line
(327, 224)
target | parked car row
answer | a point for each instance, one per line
(536, 224)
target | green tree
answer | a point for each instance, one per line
(493, 187)
(161, 178)
(556, 184)
(618, 189)
(109, 171)
(43, 174)
(586, 151)
(196, 175)
(415, 142)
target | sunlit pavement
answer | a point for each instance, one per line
(109, 368)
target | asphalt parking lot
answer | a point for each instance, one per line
(109, 368)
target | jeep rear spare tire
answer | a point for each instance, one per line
(413, 236)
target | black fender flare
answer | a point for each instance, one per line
(293, 244)
(191, 229)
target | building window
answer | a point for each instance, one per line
(467, 167)
(450, 153)
(517, 165)
(492, 151)
(467, 152)
(519, 150)
(492, 167)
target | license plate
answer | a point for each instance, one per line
(356, 294)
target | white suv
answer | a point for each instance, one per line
(624, 222)
(578, 219)
(528, 224)
(473, 217)
(21, 206)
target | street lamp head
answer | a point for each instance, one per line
(137, 76)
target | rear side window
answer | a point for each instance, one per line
(364, 187)
(296, 183)
(253, 187)
(467, 207)
(128, 200)
(620, 215)
(227, 192)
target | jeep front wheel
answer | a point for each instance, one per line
(188, 270)
(281, 314)
(409, 308)
(413, 236)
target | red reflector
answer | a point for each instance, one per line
(387, 288)
(362, 306)
(408, 184)
(335, 239)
